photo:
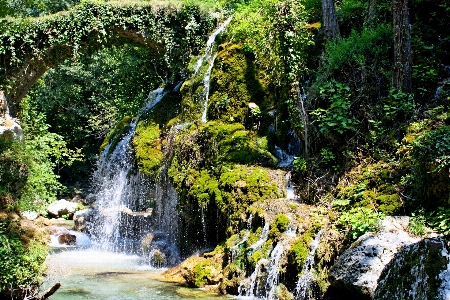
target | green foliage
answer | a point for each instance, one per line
(360, 220)
(372, 186)
(398, 105)
(23, 252)
(299, 164)
(147, 144)
(360, 49)
(430, 161)
(338, 116)
(439, 220)
(202, 271)
(417, 223)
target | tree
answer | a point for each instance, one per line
(371, 12)
(402, 45)
(330, 24)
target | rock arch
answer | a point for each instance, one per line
(29, 47)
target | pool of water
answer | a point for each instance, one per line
(88, 274)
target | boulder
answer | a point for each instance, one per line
(61, 208)
(83, 218)
(67, 239)
(358, 269)
(419, 271)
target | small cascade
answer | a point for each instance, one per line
(121, 193)
(273, 270)
(263, 238)
(290, 189)
(235, 248)
(205, 242)
(210, 44)
(263, 282)
(210, 58)
(303, 289)
(284, 159)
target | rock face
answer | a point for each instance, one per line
(359, 268)
(419, 271)
(61, 207)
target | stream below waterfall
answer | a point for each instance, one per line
(91, 274)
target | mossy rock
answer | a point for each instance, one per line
(278, 226)
(416, 268)
(374, 185)
(115, 135)
(147, 145)
(234, 84)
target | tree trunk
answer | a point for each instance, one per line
(330, 24)
(371, 13)
(402, 46)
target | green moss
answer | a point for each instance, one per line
(299, 251)
(147, 144)
(234, 83)
(202, 271)
(116, 134)
(255, 257)
(373, 186)
(278, 226)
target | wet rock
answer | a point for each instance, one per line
(82, 219)
(359, 268)
(61, 208)
(67, 239)
(419, 271)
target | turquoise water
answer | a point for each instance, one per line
(88, 274)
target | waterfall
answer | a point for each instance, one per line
(120, 192)
(210, 44)
(290, 189)
(206, 81)
(207, 56)
(263, 238)
(302, 291)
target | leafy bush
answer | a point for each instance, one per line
(337, 118)
(360, 220)
(23, 252)
(431, 160)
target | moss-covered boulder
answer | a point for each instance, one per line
(234, 84)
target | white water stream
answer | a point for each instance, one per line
(304, 282)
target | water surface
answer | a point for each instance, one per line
(89, 274)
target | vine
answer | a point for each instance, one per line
(28, 47)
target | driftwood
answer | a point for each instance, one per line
(50, 291)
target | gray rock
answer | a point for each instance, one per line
(358, 269)
(417, 272)
(83, 218)
(61, 208)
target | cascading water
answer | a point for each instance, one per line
(206, 81)
(303, 289)
(120, 190)
(210, 59)
(264, 280)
